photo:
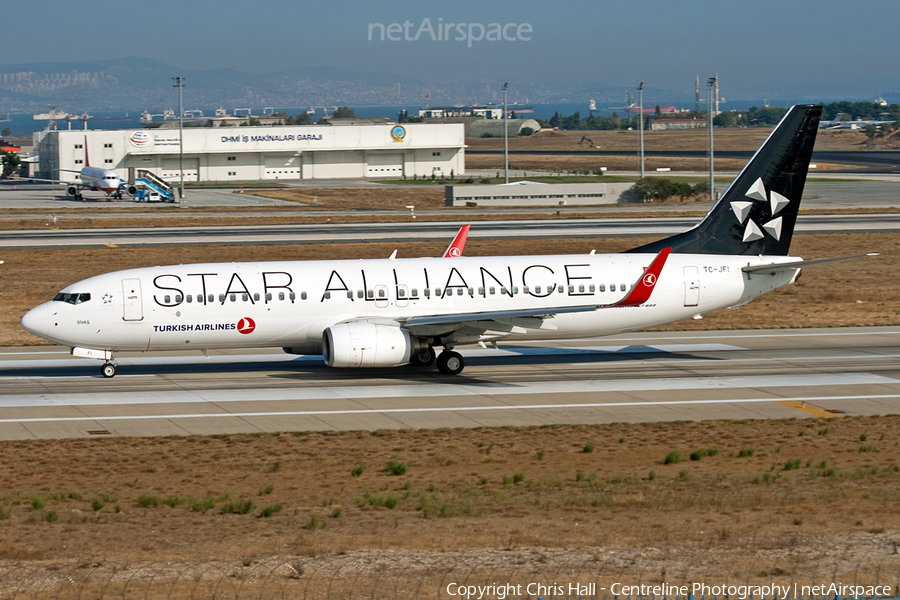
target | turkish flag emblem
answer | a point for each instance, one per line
(246, 325)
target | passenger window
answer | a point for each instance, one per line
(502, 290)
(481, 291)
(401, 293)
(212, 298)
(178, 298)
(602, 287)
(571, 289)
(370, 294)
(233, 298)
(222, 298)
(415, 293)
(437, 292)
(328, 295)
(188, 298)
(515, 290)
(471, 292)
(621, 287)
(537, 289)
(381, 293)
(580, 289)
(492, 290)
(167, 299)
(561, 289)
(459, 291)
(302, 295)
(256, 297)
(427, 292)
(281, 296)
(245, 297)
(360, 294)
(591, 288)
(349, 294)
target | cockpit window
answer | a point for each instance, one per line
(72, 298)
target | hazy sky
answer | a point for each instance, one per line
(774, 48)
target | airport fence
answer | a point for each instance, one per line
(450, 576)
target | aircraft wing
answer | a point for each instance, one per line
(533, 318)
(773, 268)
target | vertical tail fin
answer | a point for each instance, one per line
(757, 213)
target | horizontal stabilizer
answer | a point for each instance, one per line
(774, 268)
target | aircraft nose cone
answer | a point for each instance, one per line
(37, 321)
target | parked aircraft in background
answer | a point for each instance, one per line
(92, 178)
(390, 312)
(847, 123)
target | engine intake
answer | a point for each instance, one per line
(368, 345)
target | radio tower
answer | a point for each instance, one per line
(697, 95)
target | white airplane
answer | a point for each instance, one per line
(91, 178)
(848, 123)
(391, 312)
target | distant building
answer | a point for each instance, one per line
(529, 193)
(495, 127)
(262, 153)
(668, 124)
(489, 111)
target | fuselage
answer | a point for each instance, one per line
(99, 180)
(290, 304)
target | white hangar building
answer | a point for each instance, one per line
(262, 153)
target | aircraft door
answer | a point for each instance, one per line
(381, 296)
(402, 295)
(131, 300)
(691, 286)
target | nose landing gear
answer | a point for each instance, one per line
(108, 369)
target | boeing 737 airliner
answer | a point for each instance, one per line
(389, 312)
(92, 178)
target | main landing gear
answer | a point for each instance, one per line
(448, 361)
(108, 369)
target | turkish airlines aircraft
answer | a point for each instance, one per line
(390, 312)
(92, 178)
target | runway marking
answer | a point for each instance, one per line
(813, 410)
(375, 411)
(719, 361)
(431, 390)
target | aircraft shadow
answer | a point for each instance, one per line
(311, 369)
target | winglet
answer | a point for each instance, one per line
(641, 291)
(456, 246)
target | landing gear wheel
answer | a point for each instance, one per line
(450, 363)
(108, 370)
(423, 358)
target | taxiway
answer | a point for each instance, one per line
(641, 377)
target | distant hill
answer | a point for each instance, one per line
(134, 83)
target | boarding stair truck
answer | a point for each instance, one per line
(148, 187)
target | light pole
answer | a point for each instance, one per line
(640, 88)
(711, 82)
(505, 138)
(179, 83)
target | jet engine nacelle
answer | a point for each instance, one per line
(132, 189)
(368, 345)
(71, 190)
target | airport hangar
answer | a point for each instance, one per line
(237, 154)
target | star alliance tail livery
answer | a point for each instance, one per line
(391, 312)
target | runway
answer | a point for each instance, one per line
(642, 377)
(408, 231)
